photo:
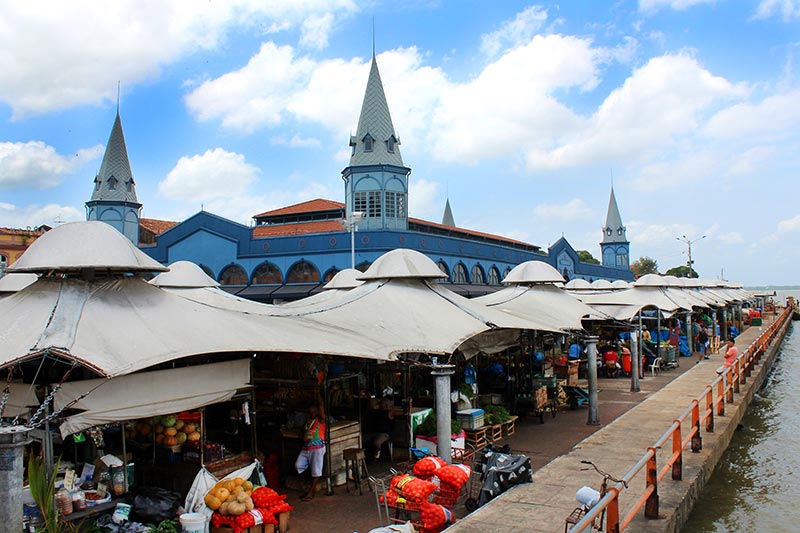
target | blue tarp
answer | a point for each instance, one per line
(684, 346)
(734, 332)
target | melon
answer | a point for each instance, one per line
(170, 432)
(194, 436)
(181, 436)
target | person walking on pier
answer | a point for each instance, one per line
(731, 353)
(700, 341)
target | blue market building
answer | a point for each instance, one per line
(291, 252)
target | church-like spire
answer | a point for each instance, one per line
(375, 141)
(447, 218)
(613, 231)
(115, 179)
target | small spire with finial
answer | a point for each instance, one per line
(118, 87)
(373, 37)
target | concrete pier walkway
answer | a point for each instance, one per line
(544, 504)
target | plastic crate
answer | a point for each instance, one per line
(470, 418)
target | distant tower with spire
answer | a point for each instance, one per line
(376, 181)
(615, 246)
(114, 196)
(447, 217)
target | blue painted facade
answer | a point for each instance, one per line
(298, 257)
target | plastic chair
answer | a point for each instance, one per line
(655, 367)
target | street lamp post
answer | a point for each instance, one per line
(351, 223)
(689, 243)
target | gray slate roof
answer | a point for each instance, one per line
(613, 221)
(115, 165)
(376, 121)
(447, 218)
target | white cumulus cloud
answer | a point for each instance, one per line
(575, 209)
(12, 216)
(650, 6)
(789, 225)
(215, 174)
(787, 9)
(36, 164)
(514, 32)
(62, 54)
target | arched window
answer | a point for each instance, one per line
(329, 274)
(460, 273)
(506, 272)
(233, 275)
(267, 274)
(303, 272)
(112, 183)
(493, 278)
(129, 185)
(208, 271)
(363, 266)
(390, 143)
(368, 141)
(477, 275)
(443, 267)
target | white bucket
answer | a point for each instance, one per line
(193, 522)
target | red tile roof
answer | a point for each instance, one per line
(467, 231)
(301, 228)
(21, 231)
(157, 226)
(318, 204)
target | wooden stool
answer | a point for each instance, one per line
(354, 460)
(510, 427)
(476, 437)
(494, 433)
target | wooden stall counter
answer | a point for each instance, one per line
(568, 372)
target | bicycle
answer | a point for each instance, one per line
(589, 498)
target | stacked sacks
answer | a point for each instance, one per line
(243, 521)
(266, 506)
(452, 479)
(426, 467)
(408, 492)
(434, 518)
(269, 500)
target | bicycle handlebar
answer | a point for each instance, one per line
(605, 474)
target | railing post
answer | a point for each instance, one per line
(736, 376)
(743, 368)
(721, 397)
(677, 452)
(710, 409)
(612, 512)
(728, 376)
(697, 438)
(651, 505)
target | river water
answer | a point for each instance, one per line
(756, 485)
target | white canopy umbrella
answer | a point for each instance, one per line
(343, 281)
(533, 295)
(146, 394)
(15, 282)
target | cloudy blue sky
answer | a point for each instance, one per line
(520, 112)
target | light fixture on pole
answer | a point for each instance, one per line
(689, 243)
(351, 223)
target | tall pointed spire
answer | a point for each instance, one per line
(613, 231)
(447, 218)
(115, 179)
(375, 141)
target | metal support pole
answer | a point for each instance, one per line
(658, 334)
(689, 337)
(591, 371)
(441, 374)
(723, 333)
(352, 243)
(635, 361)
(12, 442)
(714, 340)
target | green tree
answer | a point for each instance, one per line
(682, 272)
(644, 265)
(585, 256)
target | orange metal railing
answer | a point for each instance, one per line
(685, 430)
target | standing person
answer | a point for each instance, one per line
(313, 453)
(675, 336)
(701, 341)
(731, 353)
